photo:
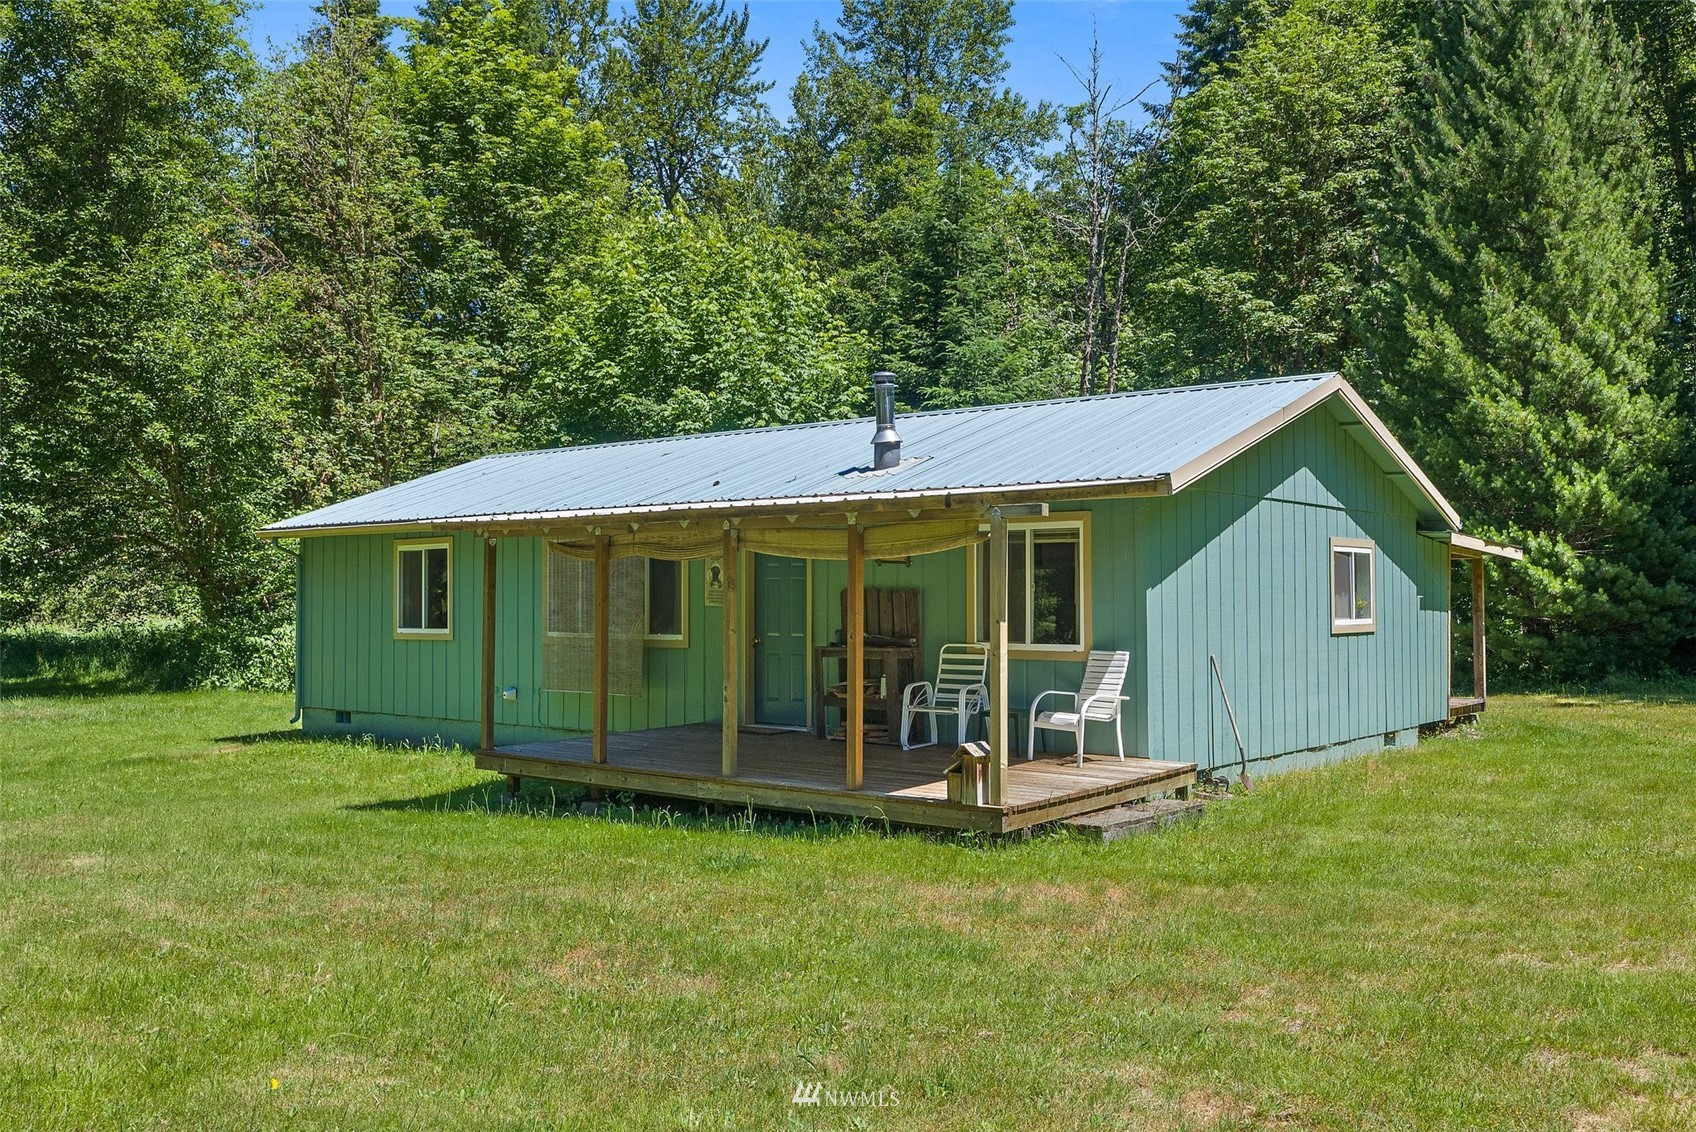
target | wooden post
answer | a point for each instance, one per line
(486, 737)
(603, 640)
(732, 651)
(854, 712)
(997, 657)
(1478, 669)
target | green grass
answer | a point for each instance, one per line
(1490, 931)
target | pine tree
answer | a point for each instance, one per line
(683, 97)
(1512, 341)
(1214, 33)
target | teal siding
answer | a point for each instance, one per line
(939, 578)
(352, 662)
(1236, 565)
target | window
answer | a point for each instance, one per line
(1352, 599)
(1047, 597)
(664, 604)
(661, 586)
(423, 590)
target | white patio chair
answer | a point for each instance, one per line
(1097, 699)
(961, 690)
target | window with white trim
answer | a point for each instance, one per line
(1046, 597)
(1353, 608)
(424, 589)
(663, 602)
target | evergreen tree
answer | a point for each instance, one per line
(1213, 33)
(903, 170)
(337, 213)
(1274, 168)
(683, 97)
(1512, 342)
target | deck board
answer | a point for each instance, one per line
(1465, 705)
(794, 770)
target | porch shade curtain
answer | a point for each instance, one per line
(568, 642)
(892, 540)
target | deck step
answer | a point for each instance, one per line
(1138, 817)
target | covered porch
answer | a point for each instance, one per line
(732, 760)
(795, 771)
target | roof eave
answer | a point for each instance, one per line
(1333, 386)
(980, 497)
(1471, 546)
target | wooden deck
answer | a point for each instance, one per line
(1462, 706)
(795, 771)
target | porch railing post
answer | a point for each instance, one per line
(997, 656)
(732, 651)
(854, 712)
(603, 638)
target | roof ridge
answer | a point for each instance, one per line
(957, 410)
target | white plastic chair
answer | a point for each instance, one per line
(961, 690)
(1097, 699)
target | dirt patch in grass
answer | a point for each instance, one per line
(597, 969)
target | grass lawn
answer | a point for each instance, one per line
(202, 931)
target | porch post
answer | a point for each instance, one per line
(732, 652)
(997, 656)
(486, 737)
(603, 635)
(854, 721)
(1478, 670)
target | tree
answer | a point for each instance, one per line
(517, 189)
(1104, 195)
(688, 324)
(337, 214)
(408, 216)
(127, 380)
(1512, 337)
(1279, 163)
(1214, 33)
(683, 96)
(902, 169)
(571, 35)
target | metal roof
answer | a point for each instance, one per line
(1167, 436)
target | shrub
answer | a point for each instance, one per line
(160, 656)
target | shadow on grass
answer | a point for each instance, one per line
(1669, 688)
(81, 688)
(279, 735)
(538, 800)
(1651, 694)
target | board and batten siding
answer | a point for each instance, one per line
(352, 661)
(1238, 566)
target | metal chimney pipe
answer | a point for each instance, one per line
(886, 444)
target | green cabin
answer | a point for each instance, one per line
(1267, 568)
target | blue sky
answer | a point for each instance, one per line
(1136, 37)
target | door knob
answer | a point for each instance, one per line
(756, 640)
